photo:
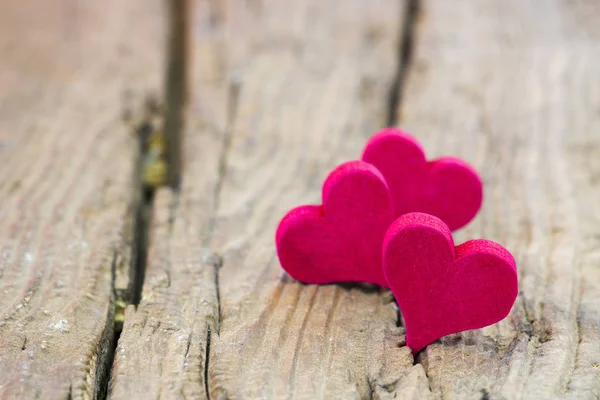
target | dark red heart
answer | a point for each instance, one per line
(447, 187)
(341, 240)
(442, 289)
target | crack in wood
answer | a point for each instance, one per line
(216, 259)
(485, 394)
(140, 248)
(577, 348)
(187, 346)
(217, 265)
(108, 341)
(292, 374)
(405, 56)
(175, 100)
(528, 323)
(207, 361)
(371, 389)
(176, 88)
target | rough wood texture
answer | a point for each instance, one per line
(314, 90)
(312, 94)
(284, 91)
(512, 86)
(66, 185)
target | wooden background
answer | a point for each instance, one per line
(279, 93)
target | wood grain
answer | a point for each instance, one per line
(314, 91)
(283, 93)
(66, 192)
(512, 87)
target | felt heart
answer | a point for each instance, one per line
(442, 289)
(446, 187)
(341, 240)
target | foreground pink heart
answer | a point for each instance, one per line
(447, 187)
(341, 240)
(442, 289)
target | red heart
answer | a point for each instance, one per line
(442, 289)
(447, 187)
(341, 240)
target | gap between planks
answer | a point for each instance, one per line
(175, 93)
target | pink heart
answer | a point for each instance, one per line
(442, 289)
(341, 240)
(447, 187)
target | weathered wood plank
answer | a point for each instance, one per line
(512, 86)
(283, 92)
(66, 184)
(161, 351)
(312, 94)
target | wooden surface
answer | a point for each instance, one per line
(66, 192)
(515, 90)
(282, 92)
